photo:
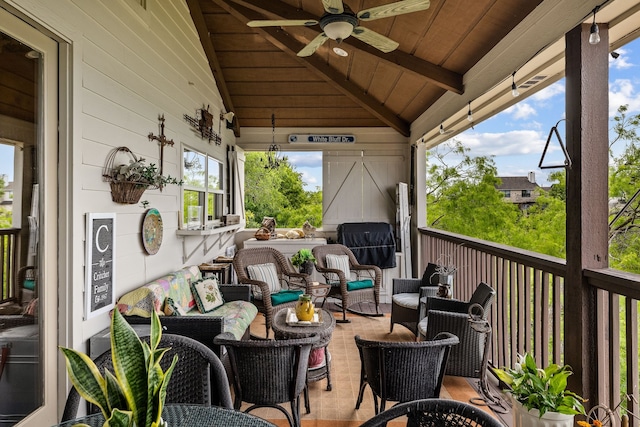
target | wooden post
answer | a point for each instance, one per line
(587, 109)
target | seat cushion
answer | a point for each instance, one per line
(359, 284)
(284, 296)
(237, 315)
(265, 273)
(338, 262)
(407, 300)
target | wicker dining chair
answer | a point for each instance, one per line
(435, 413)
(452, 316)
(199, 376)
(287, 278)
(267, 373)
(405, 298)
(403, 371)
(362, 284)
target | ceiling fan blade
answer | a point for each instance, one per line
(313, 45)
(333, 6)
(376, 40)
(283, 23)
(393, 9)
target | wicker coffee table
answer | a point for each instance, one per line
(283, 331)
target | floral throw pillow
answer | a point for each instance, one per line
(338, 262)
(207, 295)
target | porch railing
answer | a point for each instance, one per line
(8, 263)
(527, 315)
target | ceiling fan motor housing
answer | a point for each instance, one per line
(338, 26)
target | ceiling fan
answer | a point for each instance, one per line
(340, 22)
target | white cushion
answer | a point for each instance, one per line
(265, 273)
(338, 262)
(407, 300)
(207, 295)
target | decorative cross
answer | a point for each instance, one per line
(162, 140)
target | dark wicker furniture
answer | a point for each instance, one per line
(288, 277)
(405, 298)
(435, 413)
(359, 271)
(267, 373)
(199, 376)
(452, 316)
(403, 371)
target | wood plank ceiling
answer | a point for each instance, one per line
(259, 74)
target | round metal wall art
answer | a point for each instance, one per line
(152, 231)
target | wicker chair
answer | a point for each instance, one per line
(406, 295)
(289, 278)
(340, 287)
(403, 371)
(267, 373)
(198, 378)
(435, 413)
(449, 315)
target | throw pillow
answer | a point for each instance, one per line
(265, 273)
(207, 295)
(430, 277)
(170, 308)
(338, 262)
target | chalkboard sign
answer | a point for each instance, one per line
(100, 266)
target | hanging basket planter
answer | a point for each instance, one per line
(127, 192)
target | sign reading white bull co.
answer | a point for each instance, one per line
(322, 139)
(100, 266)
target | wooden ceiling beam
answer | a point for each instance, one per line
(436, 74)
(287, 44)
(212, 57)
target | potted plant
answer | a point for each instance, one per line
(445, 270)
(128, 181)
(304, 260)
(134, 394)
(540, 396)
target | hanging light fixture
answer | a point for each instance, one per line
(469, 113)
(273, 155)
(514, 88)
(594, 33)
(441, 129)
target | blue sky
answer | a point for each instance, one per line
(515, 138)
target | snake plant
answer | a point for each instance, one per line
(134, 394)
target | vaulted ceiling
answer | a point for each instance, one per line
(259, 74)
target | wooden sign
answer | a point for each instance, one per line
(100, 265)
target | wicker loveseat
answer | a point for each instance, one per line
(234, 316)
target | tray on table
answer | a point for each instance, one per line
(292, 319)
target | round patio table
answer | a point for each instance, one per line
(282, 330)
(189, 415)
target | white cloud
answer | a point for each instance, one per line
(558, 88)
(300, 159)
(622, 62)
(517, 142)
(621, 92)
(521, 111)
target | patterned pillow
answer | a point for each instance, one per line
(207, 295)
(265, 273)
(170, 308)
(338, 262)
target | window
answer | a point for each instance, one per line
(507, 193)
(526, 193)
(203, 186)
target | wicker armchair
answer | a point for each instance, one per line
(452, 316)
(435, 412)
(403, 371)
(198, 378)
(406, 295)
(341, 288)
(288, 278)
(267, 373)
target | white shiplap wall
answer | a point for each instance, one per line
(128, 65)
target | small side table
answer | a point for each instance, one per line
(221, 271)
(319, 290)
(283, 331)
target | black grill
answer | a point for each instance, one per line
(372, 243)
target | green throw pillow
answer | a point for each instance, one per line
(285, 296)
(359, 284)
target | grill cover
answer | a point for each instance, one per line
(372, 243)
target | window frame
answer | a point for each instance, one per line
(211, 198)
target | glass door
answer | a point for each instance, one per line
(28, 224)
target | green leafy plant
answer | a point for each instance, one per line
(139, 172)
(134, 394)
(541, 389)
(302, 256)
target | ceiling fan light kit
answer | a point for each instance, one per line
(338, 27)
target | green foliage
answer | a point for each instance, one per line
(302, 256)
(140, 172)
(541, 389)
(278, 193)
(135, 395)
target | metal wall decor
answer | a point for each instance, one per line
(567, 159)
(162, 141)
(203, 123)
